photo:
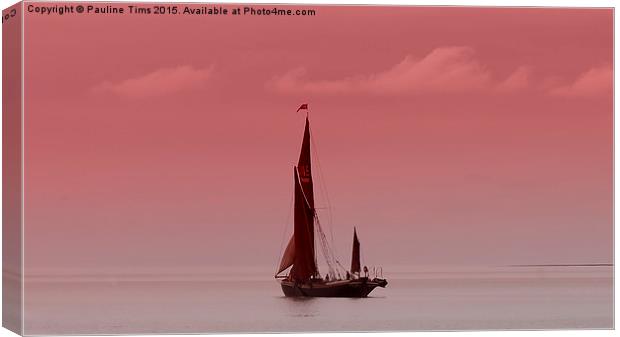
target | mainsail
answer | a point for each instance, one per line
(300, 251)
(304, 265)
(355, 258)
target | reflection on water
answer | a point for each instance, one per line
(494, 298)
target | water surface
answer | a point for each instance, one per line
(482, 298)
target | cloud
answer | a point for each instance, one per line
(595, 82)
(518, 80)
(447, 69)
(159, 82)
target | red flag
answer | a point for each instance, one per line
(303, 107)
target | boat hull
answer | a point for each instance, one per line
(342, 288)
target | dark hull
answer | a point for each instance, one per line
(343, 288)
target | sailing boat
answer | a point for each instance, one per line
(303, 278)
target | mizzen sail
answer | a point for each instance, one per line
(355, 258)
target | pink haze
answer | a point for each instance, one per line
(445, 135)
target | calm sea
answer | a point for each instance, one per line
(436, 299)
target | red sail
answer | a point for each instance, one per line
(304, 265)
(289, 256)
(355, 259)
(305, 168)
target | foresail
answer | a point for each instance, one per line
(355, 258)
(289, 256)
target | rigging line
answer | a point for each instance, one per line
(326, 252)
(323, 187)
(330, 256)
(336, 260)
(287, 223)
(324, 249)
(315, 150)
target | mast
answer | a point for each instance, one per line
(355, 258)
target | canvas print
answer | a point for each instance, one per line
(216, 168)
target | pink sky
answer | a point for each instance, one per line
(446, 135)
